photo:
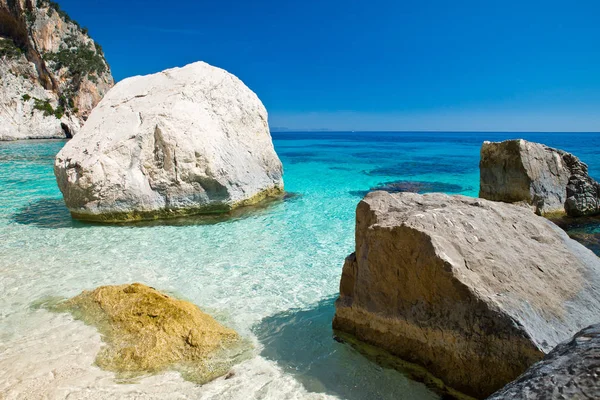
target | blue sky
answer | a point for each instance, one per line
(375, 65)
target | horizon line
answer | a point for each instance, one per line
(280, 130)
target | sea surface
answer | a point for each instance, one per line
(272, 273)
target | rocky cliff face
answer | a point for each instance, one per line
(52, 74)
(473, 290)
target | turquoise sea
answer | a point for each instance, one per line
(272, 273)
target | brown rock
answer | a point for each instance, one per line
(148, 332)
(473, 290)
(551, 180)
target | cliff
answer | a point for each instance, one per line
(52, 74)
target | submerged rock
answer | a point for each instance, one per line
(412, 187)
(52, 73)
(473, 290)
(551, 180)
(570, 371)
(185, 141)
(147, 332)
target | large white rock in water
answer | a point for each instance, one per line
(475, 291)
(185, 141)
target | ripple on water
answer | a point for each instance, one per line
(414, 168)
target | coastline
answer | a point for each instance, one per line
(267, 271)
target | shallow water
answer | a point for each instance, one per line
(272, 274)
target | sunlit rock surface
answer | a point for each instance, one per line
(191, 140)
(551, 180)
(475, 291)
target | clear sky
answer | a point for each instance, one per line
(500, 65)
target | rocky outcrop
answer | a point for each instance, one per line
(473, 290)
(185, 141)
(551, 180)
(52, 73)
(570, 371)
(147, 332)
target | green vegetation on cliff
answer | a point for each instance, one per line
(46, 107)
(9, 49)
(51, 69)
(54, 6)
(80, 60)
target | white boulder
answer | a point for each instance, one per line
(184, 141)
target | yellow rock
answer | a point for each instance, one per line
(147, 332)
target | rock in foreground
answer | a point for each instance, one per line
(185, 141)
(570, 371)
(551, 180)
(148, 332)
(473, 290)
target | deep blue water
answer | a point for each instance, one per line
(272, 274)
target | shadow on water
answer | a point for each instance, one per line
(52, 213)
(46, 213)
(301, 342)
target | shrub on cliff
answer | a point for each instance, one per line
(54, 6)
(9, 49)
(47, 109)
(80, 60)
